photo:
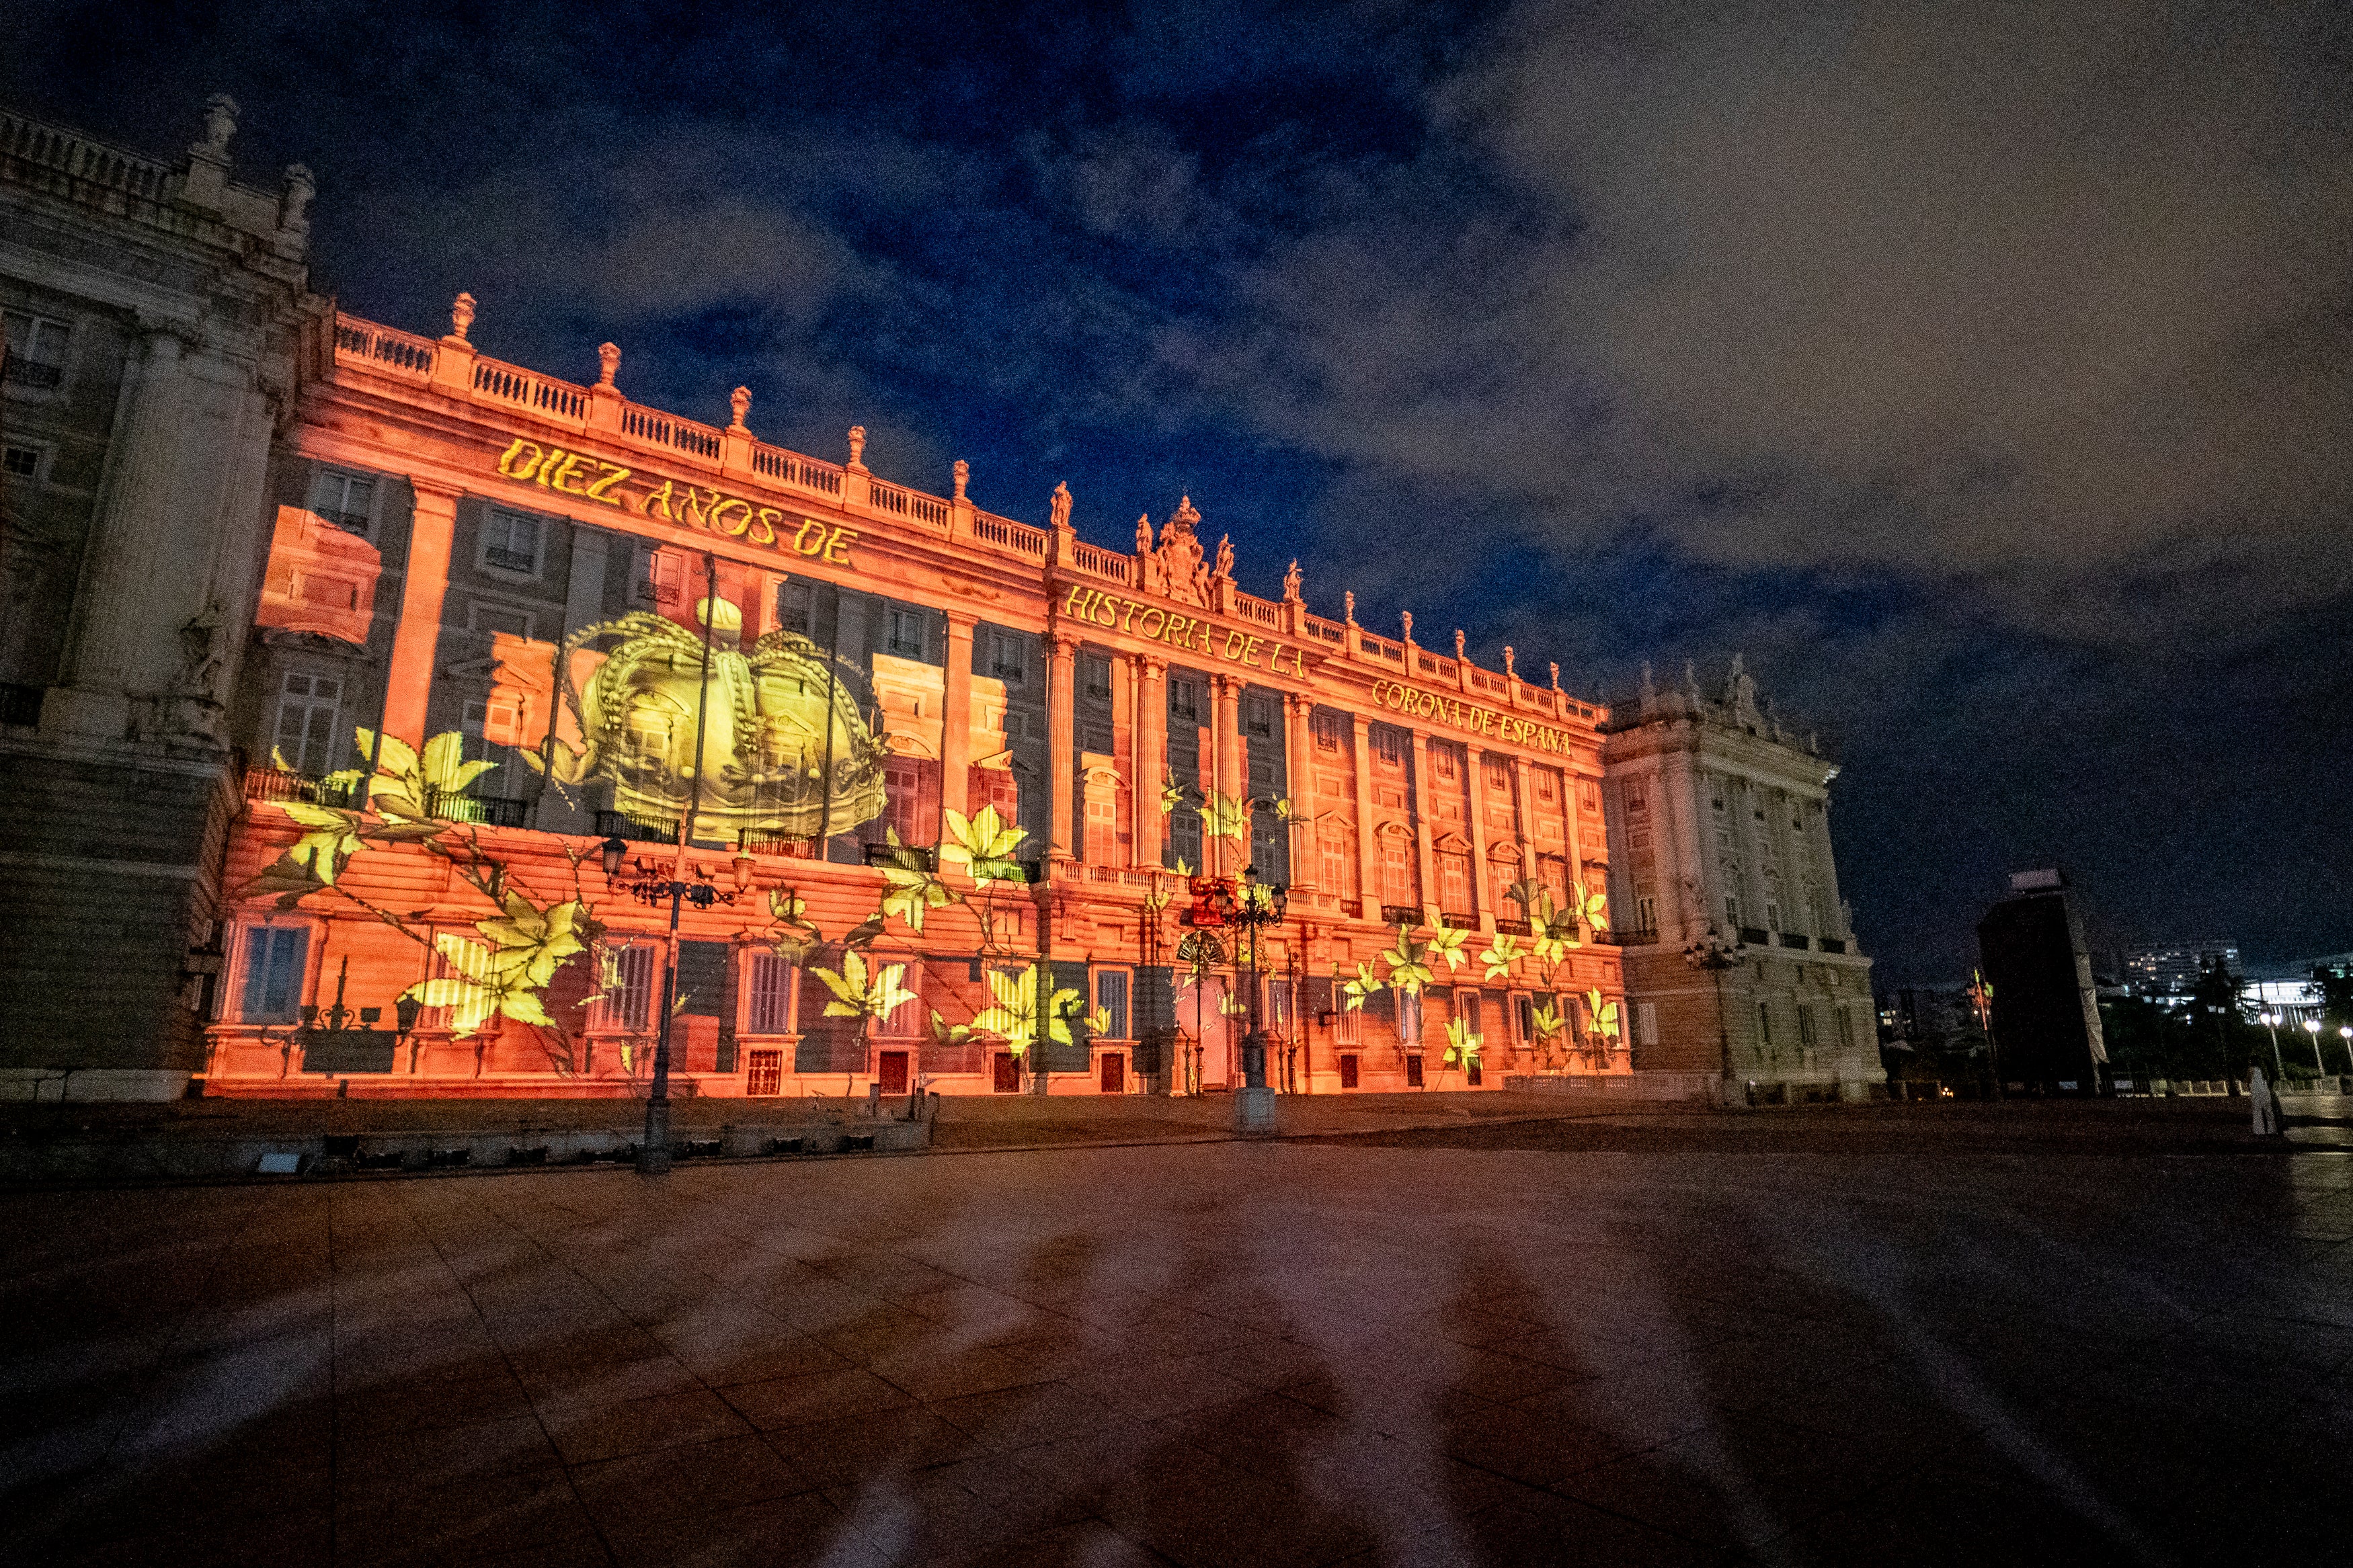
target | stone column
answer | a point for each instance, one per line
(1483, 896)
(1061, 729)
(1572, 835)
(1684, 853)
(956, 719)
(1148, 756)
(425, 579)
(1368, 873)
(1426, 861)
(1299, 763)
(122, 600)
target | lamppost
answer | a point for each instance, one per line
(649, 888)
(2271, 1022)
(1217, 902)
(653, 1152)
(2312, 1027)
(1715, 952)
(2345, 1033)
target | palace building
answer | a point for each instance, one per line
(1740, 957)
(401, 684)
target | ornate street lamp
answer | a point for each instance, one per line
(330, 1045)
(1715, 952)
(1258, 907)
(2312, 1027)
(649, 887)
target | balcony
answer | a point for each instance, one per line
(1402, 914)
(1755, 937)
(619, 824)
(1792, 938)
(793, 846)
(1515, 928)
(484, 810)
(1459, 921)
(280, 784)
(886, 855)
(1834, 944)
(1637, 936)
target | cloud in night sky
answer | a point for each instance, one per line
(1983, 371)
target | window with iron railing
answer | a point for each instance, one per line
(511, 543)
(36, 351)
(770, 995)
(345, 499)
(308, 739)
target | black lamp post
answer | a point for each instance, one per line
(649, 888)
(1713, 953)
(1255, 911)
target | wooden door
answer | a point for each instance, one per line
(1413, 1072)
(1115, 1072)
(1009, 1074)
(892, 1071)
(1348, 1071)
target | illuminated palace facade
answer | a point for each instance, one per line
(357, 688)
(543, 617)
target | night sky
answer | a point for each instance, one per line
(1985, 376)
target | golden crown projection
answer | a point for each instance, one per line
(787, 747)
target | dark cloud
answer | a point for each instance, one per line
(1981, 370)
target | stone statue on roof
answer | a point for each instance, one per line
(1291, 583)
(1226, 558)
(1058, 508)
(1181, 572)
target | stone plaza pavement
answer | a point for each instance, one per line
(1893, 1334)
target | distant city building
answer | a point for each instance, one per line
(2046, 1013)
(2293, 1000)
(1720, 842)
(2174, 970)
(1929, 1017)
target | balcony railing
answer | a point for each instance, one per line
(888, 855)
(1459, 921)
(283, 785)
(1515, 928)
(1402, 914)
(1794, 939)
(1755, 937)
(620, 825)
(793, 846)
(1635, 937)
(485, 810)
(37, 374)
(1834, 944)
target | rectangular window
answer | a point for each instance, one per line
(1330, 730)
(1409, 1017)
(36, 351)
(1396, 871)
(306, 737)
(1339, 846)
(345, 499)
(1348, 1071)
(1184, 698)
(907, 632)
(1455, 885)
(1257, 715)
(1765, 1023)
(1185, 837)
(1099, 840)
(1588, 797)
(796, 608)
(1096, 672)
(1110, 995)
(274, 962)
(22, 462)
(1389, 749)
(1646, 1019)
(1442, 763)
(1805, 1024)
(911, 798)
(628, 983)
(659, 578)
(1005, 658)
(1548, 785)
(511, 543)
(772, 990)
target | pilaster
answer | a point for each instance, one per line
(1299, 763)
(956, 718)
(1229, 772)
(1368, 879)
(425, 581)
(1426, 863)
(119, 587)
(1524, 797)
(1481, 891)
(1148, 761)
(1061, 729)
